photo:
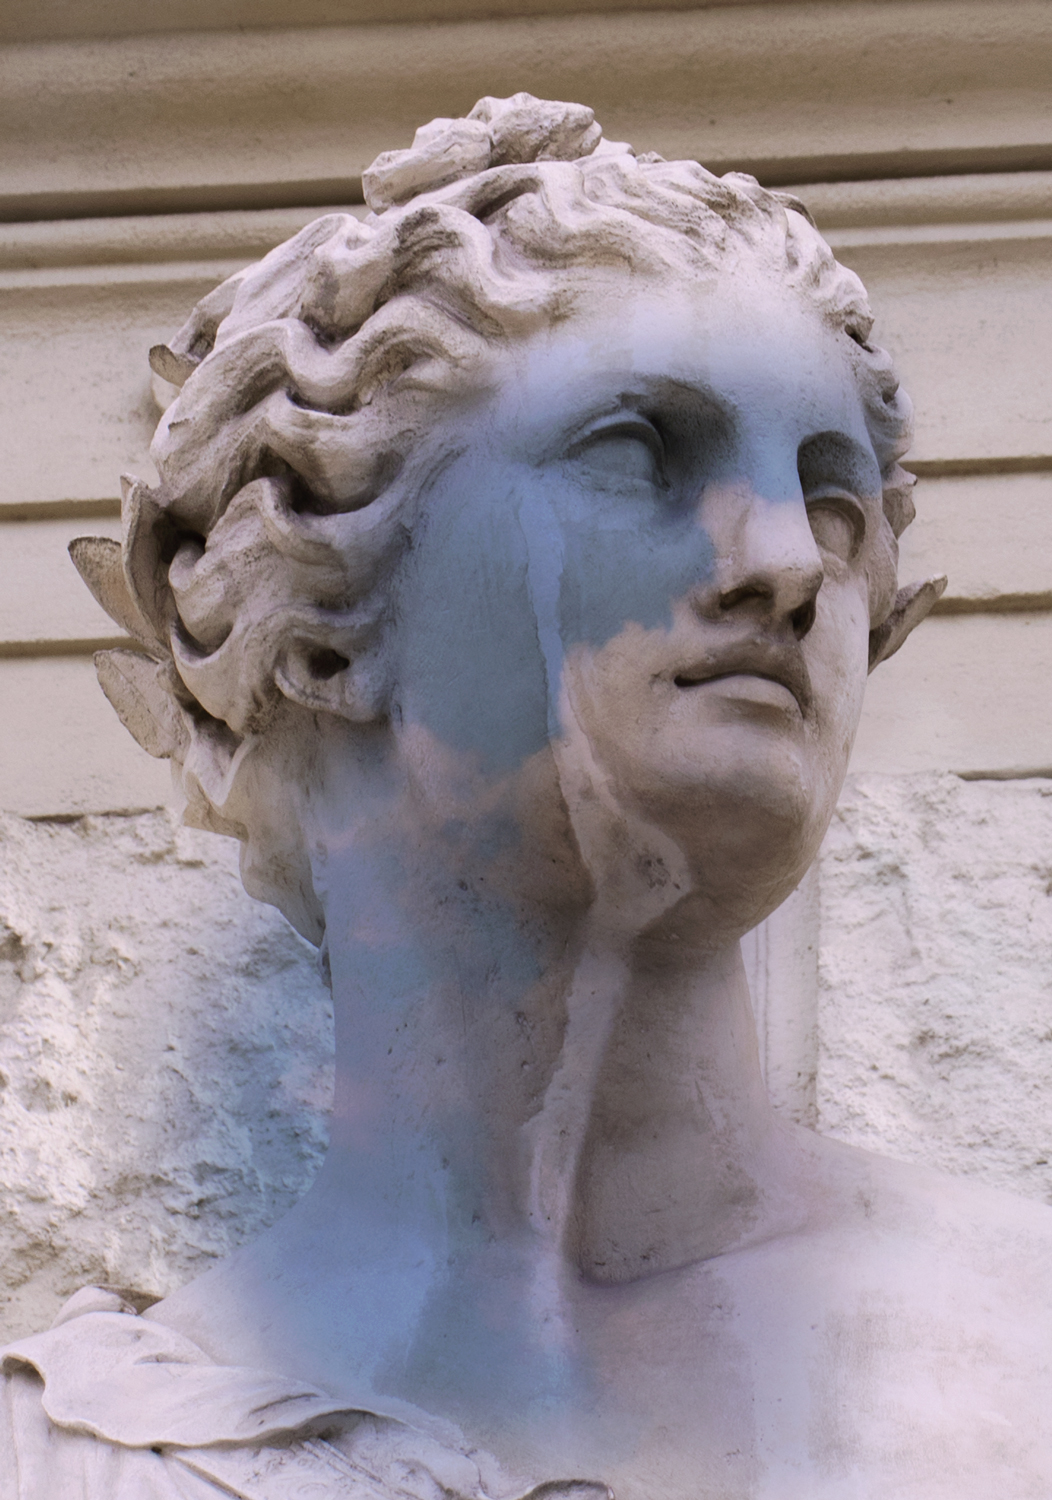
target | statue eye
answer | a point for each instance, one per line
(837, 524)
(623, 449)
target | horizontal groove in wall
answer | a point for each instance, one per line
(940, 468)
(1026, 773)
(938, 234)
(222, 196)
(966, 198)
(27, 649)
(59, 510)
(873, 166)
(64, 819)
(994, 604)
(142, 273)
(825, 170)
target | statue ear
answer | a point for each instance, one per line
(911, 605)
(323, 680)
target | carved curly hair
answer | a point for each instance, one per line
(289, 469)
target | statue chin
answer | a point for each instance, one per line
(509, 590)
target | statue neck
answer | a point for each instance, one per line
(531, 1115)
(523, 1078)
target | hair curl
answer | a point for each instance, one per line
(288, 476)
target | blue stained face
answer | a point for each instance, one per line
(660, 527)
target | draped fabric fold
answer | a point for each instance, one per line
(108, 1405)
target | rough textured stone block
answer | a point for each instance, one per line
(166, 1055)
(935, 975)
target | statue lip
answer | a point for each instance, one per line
(755, 657)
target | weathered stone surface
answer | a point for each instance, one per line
(166, 1059)
(935, 975)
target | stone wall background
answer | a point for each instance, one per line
(165, 1059)
(935, 975)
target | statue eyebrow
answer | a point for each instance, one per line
(671, 407)
(830, 456)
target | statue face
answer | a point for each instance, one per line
(647, 547)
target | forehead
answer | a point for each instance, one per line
(742, 346)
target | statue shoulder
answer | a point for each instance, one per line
(109, 1405)
(951, 1254)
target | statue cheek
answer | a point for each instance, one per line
(619, 572)
(469, 667)
(837, 658)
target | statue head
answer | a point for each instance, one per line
(479, 472)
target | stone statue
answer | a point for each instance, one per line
(518, 558)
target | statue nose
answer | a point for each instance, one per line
(767, 563)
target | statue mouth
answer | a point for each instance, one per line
(775, 662)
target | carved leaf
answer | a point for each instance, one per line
(98, 561)
(171, 366)
(145, 573)
(912, 604)
(136, 687)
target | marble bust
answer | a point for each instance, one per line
(517, 562)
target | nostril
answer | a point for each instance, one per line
(730, 598)
(324, 663)
(802, 619)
